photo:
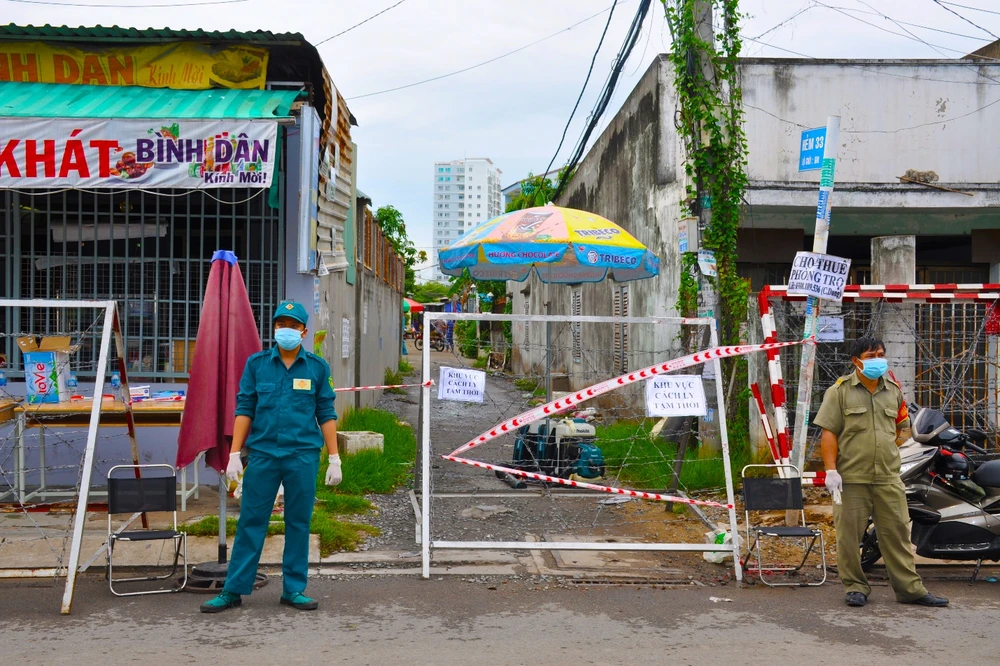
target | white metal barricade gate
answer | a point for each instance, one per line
(427, 503)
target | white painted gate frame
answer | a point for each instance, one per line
(425, 445)
(80, 516)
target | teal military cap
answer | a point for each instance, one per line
(292, 310)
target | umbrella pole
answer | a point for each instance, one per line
(548, 339)
(223, 492)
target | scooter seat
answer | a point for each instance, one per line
(988, 474)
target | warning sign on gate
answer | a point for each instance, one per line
(675, 395)
(818, 275)
(462, 385)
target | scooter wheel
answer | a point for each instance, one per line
(870, 552)
(418, 342)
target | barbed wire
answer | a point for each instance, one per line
(943, 355)
(633, 457)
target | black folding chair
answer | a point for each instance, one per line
(779, 494)
(144, 495)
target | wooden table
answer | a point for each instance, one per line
(75, 414)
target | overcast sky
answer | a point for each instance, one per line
(513, 110)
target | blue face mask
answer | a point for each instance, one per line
(288, 338)
(874, 367)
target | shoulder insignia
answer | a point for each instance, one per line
(841, 380)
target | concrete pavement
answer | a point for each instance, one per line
(404, 620)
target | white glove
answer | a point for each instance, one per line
(333, 474)
(835, 484)
(234, 468)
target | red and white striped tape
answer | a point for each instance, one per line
(429, 382)
(582, 484)
(563, 404)
(558, 406)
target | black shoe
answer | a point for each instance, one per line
(929, 600)
(856, 599)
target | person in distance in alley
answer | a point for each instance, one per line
(861, 416)
(284, 415)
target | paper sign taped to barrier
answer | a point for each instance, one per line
(675, 395)
(830, 329)
(818, 275)
(462, 385)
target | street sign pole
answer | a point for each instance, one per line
(820, 237)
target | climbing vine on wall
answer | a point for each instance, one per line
(710, 123)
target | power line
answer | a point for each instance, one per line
(787, 20)
(848, 63)
(376, 15)
(975, 25)
(590, 70)
(908, 35)
(937, 49)
(126, 6)
(485, 62)
(631, 37)
(900, 23)
(975, 9)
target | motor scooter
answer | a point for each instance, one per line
(953, 503)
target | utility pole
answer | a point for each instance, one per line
(820, 236)
(708, 299)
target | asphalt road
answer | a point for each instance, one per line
(402, 620)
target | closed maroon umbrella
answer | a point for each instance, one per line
(227, 337)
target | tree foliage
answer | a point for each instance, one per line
(390, 221)
(430, 292)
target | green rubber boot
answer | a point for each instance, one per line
(224, 601)
(299, 600)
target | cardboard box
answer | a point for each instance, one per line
(46, 367)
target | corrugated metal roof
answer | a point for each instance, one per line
(114, 33)
(57, 100)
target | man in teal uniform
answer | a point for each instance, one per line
(284, 415)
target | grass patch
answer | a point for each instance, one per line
(526, 384)
(371, 471)
(333, 534)
(391, 378)
(530, 385)
(405, 369)
(209, 527)
(642, 462)
(480, 363)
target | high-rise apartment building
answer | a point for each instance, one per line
(466, 193)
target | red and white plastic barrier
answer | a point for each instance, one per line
(380, 388)
(556, 407)
(902, 292)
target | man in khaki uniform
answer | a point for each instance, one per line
(861, 416)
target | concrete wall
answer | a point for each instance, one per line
(927, 115)
(631, 177)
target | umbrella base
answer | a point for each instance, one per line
(210, 577)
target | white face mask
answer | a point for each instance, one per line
(288, 338)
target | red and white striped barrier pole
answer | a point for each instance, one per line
(766, 422)
(379, 388)
(774, 373)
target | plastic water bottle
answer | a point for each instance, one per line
(116, 386)
(71, 383)
(3, 379)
